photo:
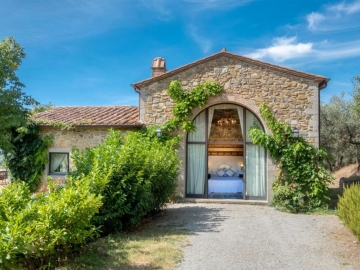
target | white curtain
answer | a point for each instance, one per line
(211, 114)
(240, 111)
(251, 120)
(56, 161)
(255, 161)
(198, 135)
(196, 157)
(255, 170)
(196, 169)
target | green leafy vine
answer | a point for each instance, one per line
(26, 161)
(62, 125)
(301, 185)
(186, 101)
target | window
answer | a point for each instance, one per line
(59, 163)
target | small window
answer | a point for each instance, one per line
(59, 163)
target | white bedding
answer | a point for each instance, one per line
(225, 184)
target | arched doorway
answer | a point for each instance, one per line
(222, 162)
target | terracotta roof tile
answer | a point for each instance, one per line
(91, 115)
(321, 80)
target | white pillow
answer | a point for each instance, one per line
(230, 172)
(221, 173)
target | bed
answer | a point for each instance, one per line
(225, 179)
(219, 184)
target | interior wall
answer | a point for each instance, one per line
(233, 161)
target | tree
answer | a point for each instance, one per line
(14, 104)
(340, 129)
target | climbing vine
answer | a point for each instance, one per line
(302, 181)
(62, 125)
(186, 101)
(26, 161)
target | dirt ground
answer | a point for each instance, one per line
(347, 173)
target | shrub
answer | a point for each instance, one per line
(349, 208)
(142, 171)
(38, 229)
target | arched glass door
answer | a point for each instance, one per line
(221, 160)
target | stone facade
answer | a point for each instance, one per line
(293, 99)
(80, 138)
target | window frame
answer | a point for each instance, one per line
(68, 163)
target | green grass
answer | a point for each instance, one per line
(152, 247)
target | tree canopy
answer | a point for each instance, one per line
(14, 103)
(340, 128)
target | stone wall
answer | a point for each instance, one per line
(291, 99)
(80, 138)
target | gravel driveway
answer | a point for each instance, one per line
(235, 236)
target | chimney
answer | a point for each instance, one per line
(158, 67)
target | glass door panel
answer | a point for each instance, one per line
(254, 162)
(255, 171)
(196, 169)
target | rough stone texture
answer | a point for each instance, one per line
(79, 138)
(291, 98)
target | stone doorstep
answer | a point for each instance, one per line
(223, 201)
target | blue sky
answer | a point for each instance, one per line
(88, 52)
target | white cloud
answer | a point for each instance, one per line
(345, 8)
(204, 43)
(283, 48)
(288, 50)
(335, 17)
(314, 19)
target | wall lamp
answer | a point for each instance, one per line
(158, 133)
(295, 133)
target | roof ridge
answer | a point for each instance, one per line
(318, 78)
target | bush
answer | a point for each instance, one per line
(142, 171)
(38, 229)
(349, 208)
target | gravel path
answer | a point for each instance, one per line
(235, 236)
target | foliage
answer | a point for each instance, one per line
(13, 102)
(186, 101)
(142, 172)
(26, 161)
(38, 229)
(62, 125)
(38, 108)
(340, 131)
(349, 208)
(301, 184)
(356, 94)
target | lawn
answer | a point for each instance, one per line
(150, 247)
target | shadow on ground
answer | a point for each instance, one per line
(167, 232)
(191, 219)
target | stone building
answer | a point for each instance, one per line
(219, 159)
